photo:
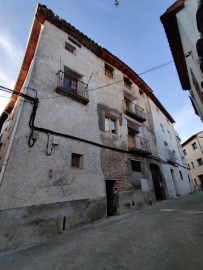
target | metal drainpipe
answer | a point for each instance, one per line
(11, 142)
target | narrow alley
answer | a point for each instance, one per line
(167, 235)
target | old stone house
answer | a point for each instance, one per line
(83, 137)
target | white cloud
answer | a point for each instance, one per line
(11, 54)
(184, 117)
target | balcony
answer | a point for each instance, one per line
(72, 87)
(139, 145)
(171, 158)
(135, 112)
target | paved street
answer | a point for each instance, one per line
(168, 235)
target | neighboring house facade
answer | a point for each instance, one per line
(81, 138)
(183, 31)
(193, 150)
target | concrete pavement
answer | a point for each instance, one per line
(166, 236)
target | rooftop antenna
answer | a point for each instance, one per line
(116, 3)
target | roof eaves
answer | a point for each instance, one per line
(191, 138)
(170, 24)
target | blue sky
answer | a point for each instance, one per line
(132, 31)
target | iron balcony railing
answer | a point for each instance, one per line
(135, 111)
(171, 156)
(139, 144)
(72, 85)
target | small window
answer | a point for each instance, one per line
(200, 161)
(184, 151)
(141, 92)
(75, 42)
(194, 146)
(162, 127)
(195, 182)
(136, 167)
(127, 83)
(110, 125)
(181, 176)
(77, 161)
(193, 165)
(108, 71)
(69, 47)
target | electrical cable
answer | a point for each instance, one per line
(157, 67)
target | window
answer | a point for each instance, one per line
(194, 146)
(188, 165)
(136, 167)
(77, 161)
(195, 182)
(127, 83)
(108, 71)
(110, 125)
(181, 176)
(128, 104)
(200, 161)
(70, 84)
(193, 165)
(184, 151)
(140, 92)
(75, 42)
(69, 47)
(162, 127)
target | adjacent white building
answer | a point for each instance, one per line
(83, 137)
(193, 150)
(183, 25)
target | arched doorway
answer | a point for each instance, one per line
(157, 182)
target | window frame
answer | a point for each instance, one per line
(108, 70)
(199, 161)
(72, 81)
(77, 161)
(127, 83)
(69, 47)
(137, 164)
(194, 146)
(108, 119)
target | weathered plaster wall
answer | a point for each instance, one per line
(166, 139)
(187, 25)
(29, 225)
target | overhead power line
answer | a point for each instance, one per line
(157, 67)
(2, 88)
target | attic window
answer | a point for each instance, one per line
(108, 71)
(140, 92)
(75, 42)
(69, 47)
(127, 83)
